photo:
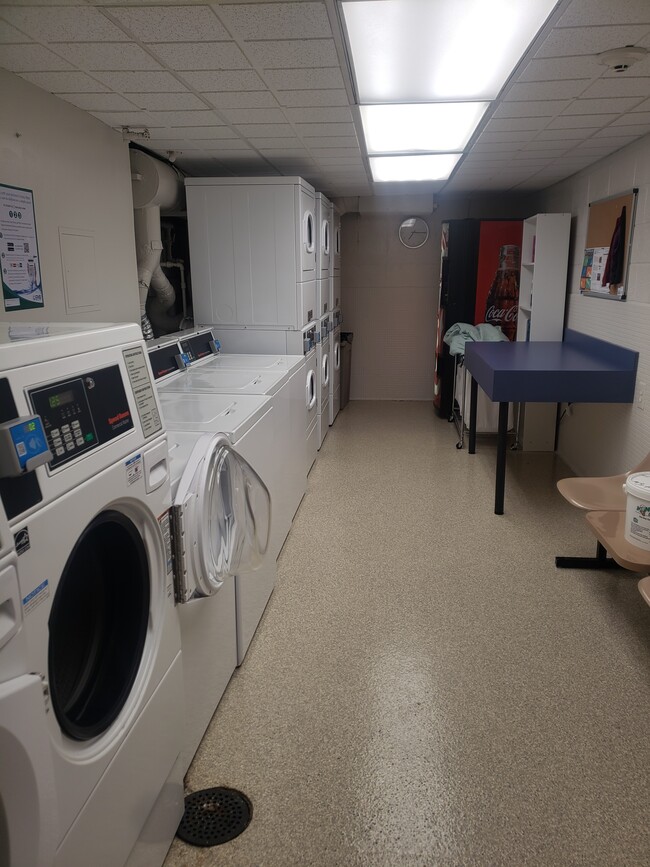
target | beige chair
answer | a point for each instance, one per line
(599, 494)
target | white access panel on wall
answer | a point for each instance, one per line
(253, 251)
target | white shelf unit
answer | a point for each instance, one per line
(542, 299)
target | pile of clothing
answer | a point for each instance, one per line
(457, 335)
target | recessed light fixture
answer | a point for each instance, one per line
(434, 126)
(413, 167)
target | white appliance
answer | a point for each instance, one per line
(324, 212)
(253, 251)
(335, 367)
(265, 340)
(324, 376)
(336, 241)
(221, 523)
(96, 726)
(248, 422)
(288, 481)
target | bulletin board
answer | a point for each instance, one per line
(607, 249)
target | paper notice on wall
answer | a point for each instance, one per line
(593, 269)
(22, 288)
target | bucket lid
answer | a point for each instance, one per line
(638, 484)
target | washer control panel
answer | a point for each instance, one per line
(81, 413)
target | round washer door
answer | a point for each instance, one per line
(98, 625)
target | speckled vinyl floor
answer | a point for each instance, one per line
(425, 687)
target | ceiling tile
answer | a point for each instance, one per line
(546, 90)
(531, 108)
(319, 115)
(506, 136)
(209, 132)
(124, 118)
(167, 101)
(106, 55)
(508, 124)
(320, 152)
(185, 118)
(642, 106)
(142, 82)
(162, 144)
(65, 82)
(172, 23)
(622, 86)
(304, 79)
(254, 115)
(580, 121)
(203, 55)
(326, 129)
(582, 40)
(278, 20)
(100, 101)
(496, 147)
(245, 99)
(355, 162)
(288, 54)
(310, 98)
(559, 68)
(601, 13)
(229, 146)
(602, 106)
(63, 24)
(31, 58)
(635, 117)
(263, 130)
(9, 34)
(556, 138)
(271, 143)
(343, 141)
(230, 80)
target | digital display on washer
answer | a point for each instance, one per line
(81, 413)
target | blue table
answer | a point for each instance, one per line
(580, 369)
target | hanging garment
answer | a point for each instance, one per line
(614, 266)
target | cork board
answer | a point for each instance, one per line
(607, 249)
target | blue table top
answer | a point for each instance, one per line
(580, 369)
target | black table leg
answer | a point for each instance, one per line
(473, 401)
(501, 459)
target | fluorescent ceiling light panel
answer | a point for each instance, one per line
(414, 167)
(421, 50)
(432, 126)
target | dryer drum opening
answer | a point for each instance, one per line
(98, 625)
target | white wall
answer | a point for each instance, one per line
(389, 295)
(609, 438)
(78, 169)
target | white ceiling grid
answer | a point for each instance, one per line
(258, 88)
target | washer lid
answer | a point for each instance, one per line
(213, 413)
(255, 362)
(228, 381)
(223, 514)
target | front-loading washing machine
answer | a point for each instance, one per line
(324, 376)
(102, 707)
(335, 366)
(247, 421)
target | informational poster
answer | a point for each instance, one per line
(607, 250)
(22, 288)
(593, 270)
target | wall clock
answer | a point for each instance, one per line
(413, 232)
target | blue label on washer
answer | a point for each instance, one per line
(38, 595)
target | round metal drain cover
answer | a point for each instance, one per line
(214, 816)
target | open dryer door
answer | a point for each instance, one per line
(222, 518)
(27, 798)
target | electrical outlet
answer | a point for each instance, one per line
(641, 396)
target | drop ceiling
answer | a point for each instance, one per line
(264, 88)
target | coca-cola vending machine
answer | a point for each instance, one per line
(479, 282)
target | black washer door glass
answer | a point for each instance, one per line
(98, 626)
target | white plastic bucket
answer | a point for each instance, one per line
(637, 512)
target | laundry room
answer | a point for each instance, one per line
(324, 438)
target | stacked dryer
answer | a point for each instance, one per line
(95, 728)
(324, 213)
(336, 319)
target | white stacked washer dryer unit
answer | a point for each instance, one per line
(285, 386)
(324, 375)
(337, 318)
(324, 211)
(97, 724)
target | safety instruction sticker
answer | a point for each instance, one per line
(39, 594)
(143, 390)
(22, 288)
(133, 469)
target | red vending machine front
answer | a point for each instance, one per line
(497, 279)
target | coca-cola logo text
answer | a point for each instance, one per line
(501, 314)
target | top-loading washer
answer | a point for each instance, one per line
(247, 421)
(97, 725)
(285, 388)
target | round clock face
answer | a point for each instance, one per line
(413, 232)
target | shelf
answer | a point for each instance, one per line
(523, 308)
(527, 264)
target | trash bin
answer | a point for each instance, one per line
(346, 357)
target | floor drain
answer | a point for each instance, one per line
(214, 816)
